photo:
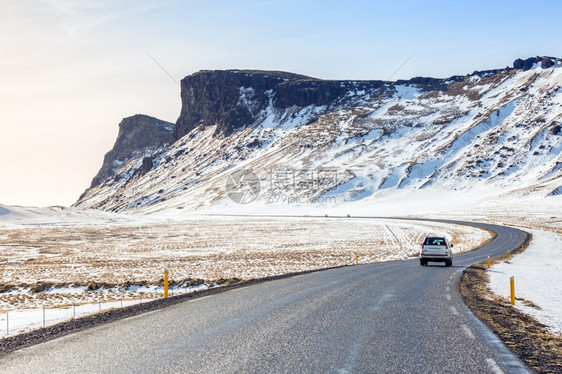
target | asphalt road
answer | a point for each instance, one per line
(396, 317)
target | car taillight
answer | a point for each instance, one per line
(446, 246)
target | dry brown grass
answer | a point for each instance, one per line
(463, 89)
(429, 95)
(209, 250)
(395, 109)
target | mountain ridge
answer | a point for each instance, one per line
(489, 129)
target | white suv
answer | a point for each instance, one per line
(436, 249)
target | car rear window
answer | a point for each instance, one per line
(434, 241)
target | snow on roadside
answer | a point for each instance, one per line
(17, 321)
(538, 278)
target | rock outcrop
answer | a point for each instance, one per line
(233, 99)
(546, 62)
(215, 97)
(137, 135)
(145, 167)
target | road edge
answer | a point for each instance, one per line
(42, 335)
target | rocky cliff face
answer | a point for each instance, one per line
(138, 135)
(234, 99)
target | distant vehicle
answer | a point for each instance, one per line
(436, 249)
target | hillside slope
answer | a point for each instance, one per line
(494, 133)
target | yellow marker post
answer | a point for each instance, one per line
(165, 283)
(512, 286)
(488, 262)
(508, 255)
(356, 259)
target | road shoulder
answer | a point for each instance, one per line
(538, 348)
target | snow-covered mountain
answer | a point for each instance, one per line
(271, 137)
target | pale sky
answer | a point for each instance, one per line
(71, 70)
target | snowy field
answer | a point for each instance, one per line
(52, 264)
(84, 262)
(537, 279)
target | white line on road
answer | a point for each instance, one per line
(381, 301)
(493, 366)
(467, 331)
(333, 283)
(199, 298)
(448, 297)
(139, 315)
(454, 310)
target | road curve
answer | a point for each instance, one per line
(395, 317)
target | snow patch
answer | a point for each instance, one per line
(538, 278)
